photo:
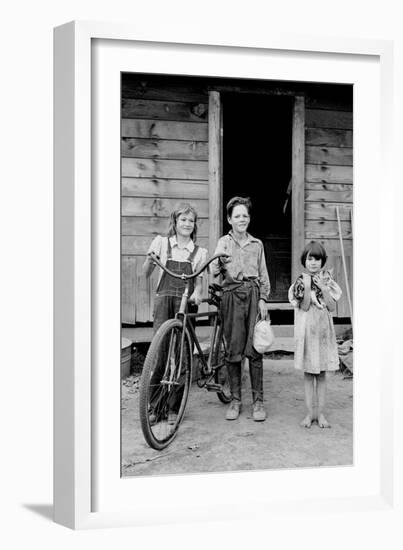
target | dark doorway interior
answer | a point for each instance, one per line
(257, 145)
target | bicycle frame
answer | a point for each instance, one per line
(159, 417)
(186, 317)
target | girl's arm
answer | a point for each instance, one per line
(327, 298)
(148, 266)
(155, 247)
(198, 290)
(330, 303)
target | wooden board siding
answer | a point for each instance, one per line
(329, 182)
(159, 129)
(170, 149)
(164, 150)
(143, 225)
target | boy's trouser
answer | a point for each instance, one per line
(239, 309)
(256, 379)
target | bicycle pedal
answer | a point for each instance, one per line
(211, 386)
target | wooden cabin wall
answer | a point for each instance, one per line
(329, 182)
(164, 161)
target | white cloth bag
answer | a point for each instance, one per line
(263, 336)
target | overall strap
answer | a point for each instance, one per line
(169, 249)
(192, 255)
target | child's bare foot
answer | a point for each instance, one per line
(307, 422)
(322, 422)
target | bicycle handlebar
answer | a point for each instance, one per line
(156, 259)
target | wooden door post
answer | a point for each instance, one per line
(214, 169)
(298, 185)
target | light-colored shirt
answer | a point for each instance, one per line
(247, 260)
(160, 247)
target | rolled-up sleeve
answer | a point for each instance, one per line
(155, 246)
(263, 277)
(201, 259)
(216, 267)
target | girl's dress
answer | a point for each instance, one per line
(314, 334)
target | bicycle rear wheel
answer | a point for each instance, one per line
(165, 384)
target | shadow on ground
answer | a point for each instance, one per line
(43, 510)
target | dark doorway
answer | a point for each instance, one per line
(257, 147)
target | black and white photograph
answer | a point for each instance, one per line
(236, 274)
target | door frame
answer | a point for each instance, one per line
(297, 174)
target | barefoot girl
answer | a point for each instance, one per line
(179, 253)
(314, 296)
(246, 291)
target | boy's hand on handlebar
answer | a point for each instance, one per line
(225, 258)
(196, 298)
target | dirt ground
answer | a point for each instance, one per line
(206, 442)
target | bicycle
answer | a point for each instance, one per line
(168, 367)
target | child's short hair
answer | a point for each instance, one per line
(182, 208)
(235, 201)
(316, 250)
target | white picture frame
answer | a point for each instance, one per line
(88, 490)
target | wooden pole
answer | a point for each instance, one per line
(344, 265)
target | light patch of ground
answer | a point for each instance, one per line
(206, 442)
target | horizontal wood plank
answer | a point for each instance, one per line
(338, 156)
(328, 137)
(158, 129)
(138, 245)
(141, 89)
(164, 110)
(318, 118)
(180, 189)
(329, 103)
(152, 226)
(329, 196)
(161, 168)
(324, 211)
(166, 149)
(158, 207)
(317, 230)
(328, 174)
(332, 246)
(316, 186)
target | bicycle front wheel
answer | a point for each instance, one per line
(165, 383)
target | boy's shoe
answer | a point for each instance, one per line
(233, 410)
(258, 412)
(152, 418)
(172, 417)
